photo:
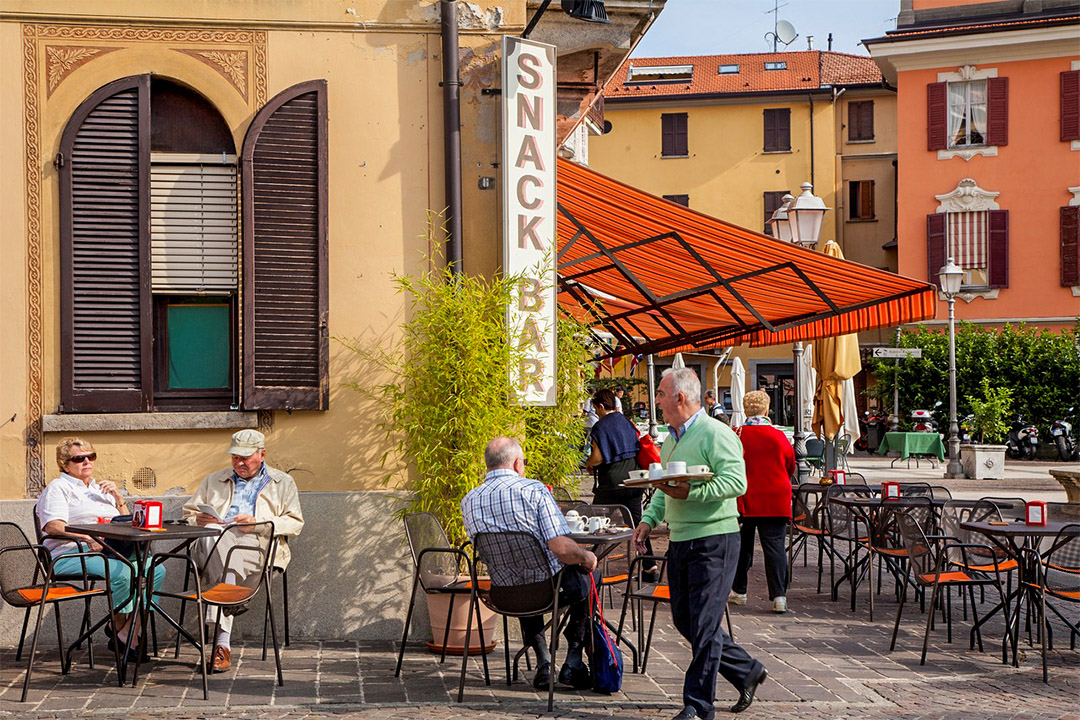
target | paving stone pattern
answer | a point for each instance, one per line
(824, 662)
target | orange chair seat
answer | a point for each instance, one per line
(945, 577)
(891, 552)
(225, 594)
(662, 592)
(1063, 568)
(34, 594)
(809, 530)
(1067, 594)
(615, 579)
(1003, 566)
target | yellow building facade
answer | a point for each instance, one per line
(753, 127)
(378, 63)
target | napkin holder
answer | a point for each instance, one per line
(890, 490)
(1035, 512)
(147, 514)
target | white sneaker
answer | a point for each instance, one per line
(779, 605)
(736, 598)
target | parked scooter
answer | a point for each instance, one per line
(1061, 431)
(924, 420)
(874, 426)
(1023, 440)
(967, 425)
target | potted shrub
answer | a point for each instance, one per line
(450, 394)
(983, 459)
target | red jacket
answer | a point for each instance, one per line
(770, 463)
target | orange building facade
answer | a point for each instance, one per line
(989, 153)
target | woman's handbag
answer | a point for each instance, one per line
(647, 452)
(605, 657)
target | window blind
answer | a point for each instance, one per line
(193, 224)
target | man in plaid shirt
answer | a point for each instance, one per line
(510, 502)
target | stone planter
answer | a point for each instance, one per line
(983, 462)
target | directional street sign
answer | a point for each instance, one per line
(897, 353)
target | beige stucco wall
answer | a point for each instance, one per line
(385, 172)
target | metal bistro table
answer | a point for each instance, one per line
(913, 445)
(1012, 537)
(141, 539)
(602, 544)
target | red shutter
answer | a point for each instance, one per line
(997, 111)
(937, 112)
(105, 320)
(1070, 246)
(935, 246)
(1070, 105)
(286, 332)
(999, 249)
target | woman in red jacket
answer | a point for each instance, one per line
(766, 506)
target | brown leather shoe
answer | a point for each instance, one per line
(222, 659)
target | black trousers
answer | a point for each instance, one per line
(700, 574)
(773, 532)
(573, 593)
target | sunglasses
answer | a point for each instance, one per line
(80, 459)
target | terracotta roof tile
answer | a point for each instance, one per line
(809, 69)
(980, 27)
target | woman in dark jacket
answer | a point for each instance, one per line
(614, 455)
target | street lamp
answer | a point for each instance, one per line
(950, 278)
(805, 214)
(798, 220)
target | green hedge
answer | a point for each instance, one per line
(1040, 367)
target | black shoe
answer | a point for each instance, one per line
(576, 676)
(543, 677)
(746, 696)
(234, 610)
(651, 575)
(132, 653)
(689, 713)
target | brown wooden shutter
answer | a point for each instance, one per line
(769, 131)
(999, 249)
(1070, 246)
(997, 111)
(284, 218)
(682, 144)
(673, 135)
(867, 192)
(1070, 105)
(861, 120)
(935, 246)
(937, 116)
(783, 129)
(105, 321)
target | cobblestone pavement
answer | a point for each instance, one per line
(824, 662)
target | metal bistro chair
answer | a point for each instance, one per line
(887, 544)
(843, 525)
(928, 559)
(438, 568)
(522, 585)
(284, 600)
(807, 521)
(25, 582)
(223, 594)
(620, 517)
(841, 448)
(815, 454)
(1059, 578)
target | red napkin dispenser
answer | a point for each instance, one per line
(890, 490)
(1035, 512)
(146, 514)
(839, 477)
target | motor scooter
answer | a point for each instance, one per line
(874, 425)
(1023, 440)
(1061, 431)
(924, 420)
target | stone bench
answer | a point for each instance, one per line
(1070, 480)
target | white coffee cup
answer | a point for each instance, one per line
(676, 468)
(598, 522)
(639, 474)
(576, 522)
(697, 470)
(656, 471)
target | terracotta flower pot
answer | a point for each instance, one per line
(438, 604)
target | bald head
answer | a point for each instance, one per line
(502, 452)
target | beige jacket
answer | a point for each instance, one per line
(279, 502)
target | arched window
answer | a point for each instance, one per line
(157, 281)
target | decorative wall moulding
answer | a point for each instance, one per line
(967, 197)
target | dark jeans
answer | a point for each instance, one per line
(772, 531)
(630, 497)
(573, 593)
(700, 573)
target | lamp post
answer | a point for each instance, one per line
(798, 220)
(950, 278)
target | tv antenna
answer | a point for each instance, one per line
(783, 31)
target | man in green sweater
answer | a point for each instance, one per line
(704, 549)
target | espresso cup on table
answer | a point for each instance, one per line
(656, 471)
(598, 523)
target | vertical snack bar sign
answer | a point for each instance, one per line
(528, 161)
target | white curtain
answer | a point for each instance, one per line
(807, 385)
(738, 390)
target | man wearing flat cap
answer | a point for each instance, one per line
(249, 492)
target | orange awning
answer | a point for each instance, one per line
(658, 276)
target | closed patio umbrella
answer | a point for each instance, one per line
(851, 411)
(836, 359)
(677, 362)
(738, 390)
(807, 384)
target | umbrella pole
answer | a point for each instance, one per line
(652, 395)
(802, 468)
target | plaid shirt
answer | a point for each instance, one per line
(507, 502)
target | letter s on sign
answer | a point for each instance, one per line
(529, 78)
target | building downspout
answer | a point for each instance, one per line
(811, 99)
(451, 85)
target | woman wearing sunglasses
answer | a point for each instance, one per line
(76, 497)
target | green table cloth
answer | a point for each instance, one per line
(913, 443)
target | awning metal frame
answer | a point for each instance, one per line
(629, 334)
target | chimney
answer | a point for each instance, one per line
(809, 42)
(830, 42)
